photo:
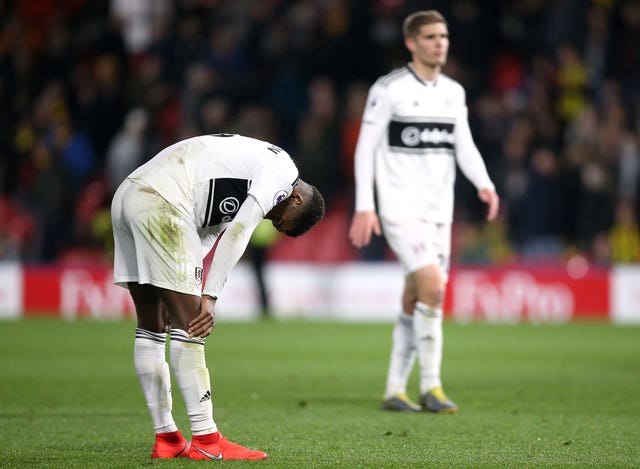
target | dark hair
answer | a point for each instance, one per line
(312, 214)
(415, 21)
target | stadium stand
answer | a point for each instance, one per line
(92, 89)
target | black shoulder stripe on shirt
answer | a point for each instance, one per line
(209, 198)
(392, 76)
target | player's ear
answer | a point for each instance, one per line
(410, 44)
(301, 191)
(296, 197)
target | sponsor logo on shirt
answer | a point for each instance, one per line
(224, 199)
(229, 205)
(423, 135)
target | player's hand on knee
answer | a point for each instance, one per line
(202, 325)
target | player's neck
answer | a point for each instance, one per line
(426, 72)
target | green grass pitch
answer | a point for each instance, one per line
(309, 393)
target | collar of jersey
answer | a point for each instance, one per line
(424, 82)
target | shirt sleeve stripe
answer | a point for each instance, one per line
(206, 216)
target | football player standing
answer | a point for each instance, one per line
(414, 130)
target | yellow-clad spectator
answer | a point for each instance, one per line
(624, 236)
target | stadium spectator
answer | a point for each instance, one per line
(166, 214)
(355, 100)
(214, 115)
(624, 236)
(75, 150)
(51, 193)
(17, 231)
(318, 137)
(128, 149)
(538, 214)
(140, 23)
(264, 236)
(414, 131)
(595, 205)
(572, 81)
(102, 100)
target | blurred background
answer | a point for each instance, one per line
(90, 90)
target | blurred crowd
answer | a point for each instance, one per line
(89, 90)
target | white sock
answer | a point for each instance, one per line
(402, 356)
(192, 376)
(427, 327)
(153, 373)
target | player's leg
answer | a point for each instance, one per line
(153, 371)
(427, 324)
(188, 360)
(150, 339)
(161, 255)
(430, 284)
(402, 355)
(192, 375)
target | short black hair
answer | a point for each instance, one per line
(312, 214)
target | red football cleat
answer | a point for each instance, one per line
(222, 449)
(170, 445)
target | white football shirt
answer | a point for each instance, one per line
(210, 178)
(412, 134)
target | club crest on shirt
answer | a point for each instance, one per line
(198, 275)
(279, 197)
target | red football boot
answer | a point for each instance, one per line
(215, 446)
(170, 445)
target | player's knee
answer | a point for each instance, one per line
(433, 296)
(181, 319)
(151, 324)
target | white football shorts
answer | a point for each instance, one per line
(155, 243)
(418, 243)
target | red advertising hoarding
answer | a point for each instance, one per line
(536, 294)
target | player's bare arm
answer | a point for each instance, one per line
(362, 225)
(202, 325)
(492, 200)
